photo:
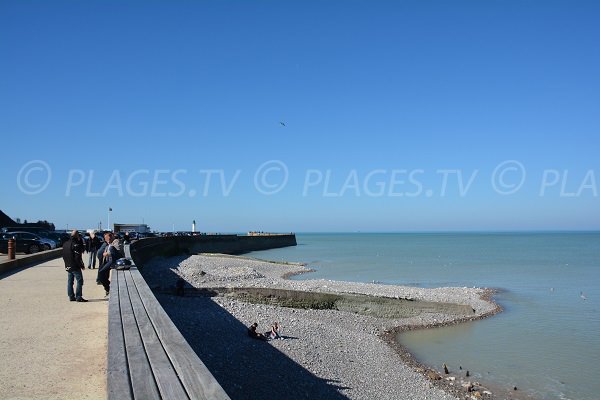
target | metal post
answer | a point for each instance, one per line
(12, 245)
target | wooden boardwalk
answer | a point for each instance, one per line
(148, 358)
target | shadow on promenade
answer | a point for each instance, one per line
(245, 367)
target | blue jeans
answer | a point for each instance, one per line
(92, 260)
(75, 276)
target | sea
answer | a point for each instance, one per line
(546, 342)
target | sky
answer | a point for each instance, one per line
(302, 116)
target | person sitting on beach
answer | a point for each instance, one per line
(274, 334)
(255, 335)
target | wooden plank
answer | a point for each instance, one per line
(142, 379)
(118, 384)
(197, 380)
(168, 383)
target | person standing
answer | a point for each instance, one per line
(71, 253)
(92, 246)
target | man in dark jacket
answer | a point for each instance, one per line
(71, 252)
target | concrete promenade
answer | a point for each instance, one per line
(51, 348)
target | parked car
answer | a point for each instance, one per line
(59, 237)
(24, 245)
(134, 235)
(46, 244)
(43, 232)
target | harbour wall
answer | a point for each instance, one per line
(144, 249)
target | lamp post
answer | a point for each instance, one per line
(108, 224)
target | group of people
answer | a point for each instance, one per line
(271, 335)
(107, 252)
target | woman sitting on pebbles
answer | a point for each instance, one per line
(274, 334)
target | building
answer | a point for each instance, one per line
(140, 228)
(5, 220)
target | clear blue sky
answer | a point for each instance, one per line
(115, 95)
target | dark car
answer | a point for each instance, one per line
(59, 237)
(134, 235)
(47, 244)
(24, 245)
(43, 232)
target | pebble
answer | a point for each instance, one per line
(335, 346)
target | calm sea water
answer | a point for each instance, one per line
(546, 342)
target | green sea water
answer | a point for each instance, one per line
(547, 340)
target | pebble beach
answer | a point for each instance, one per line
(324, 353)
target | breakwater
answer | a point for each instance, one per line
(144, 249)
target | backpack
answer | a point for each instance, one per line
(122, 264)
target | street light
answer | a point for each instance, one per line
(108, 225)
